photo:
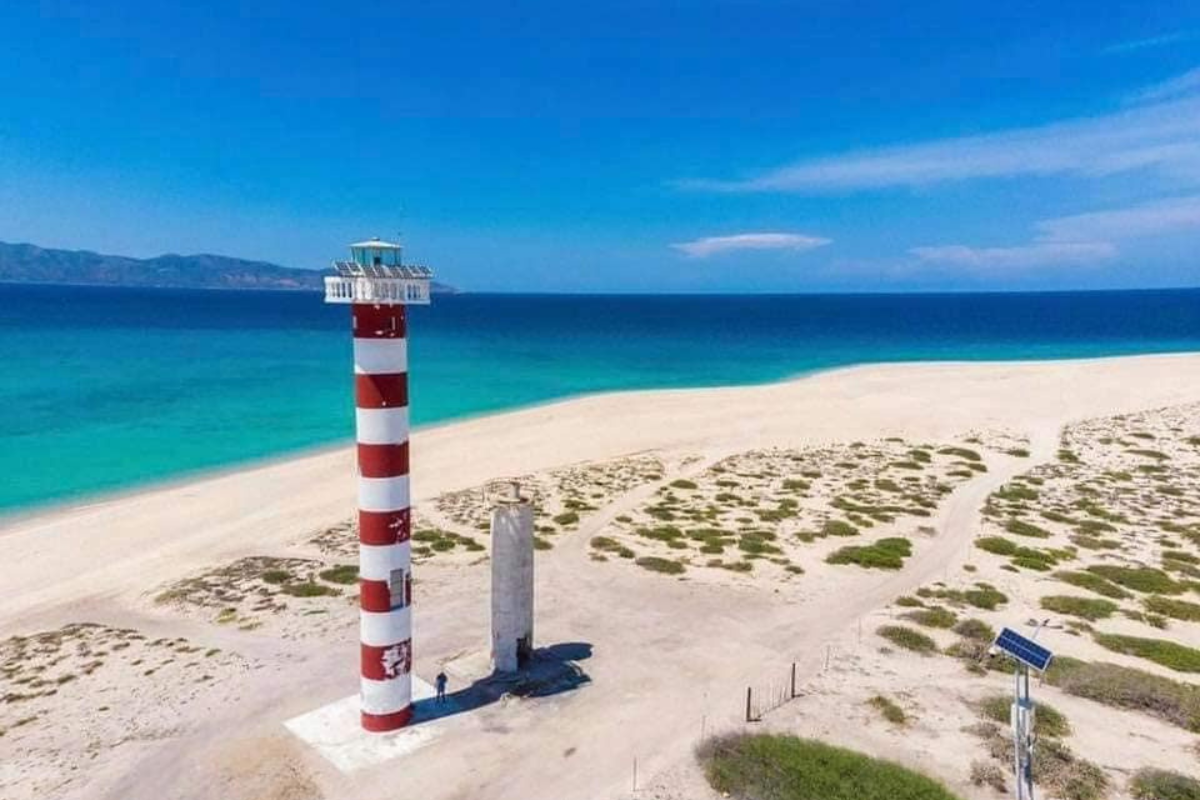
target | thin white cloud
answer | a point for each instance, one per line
(714, 245)
(1149, 219)
(1152, 41)
(1038, 254)
(1078, 239)
(1180, 86)
(1156, 135)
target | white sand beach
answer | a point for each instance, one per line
(144, 655)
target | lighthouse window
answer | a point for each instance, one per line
(398, 588)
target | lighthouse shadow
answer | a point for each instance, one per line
(551, 670)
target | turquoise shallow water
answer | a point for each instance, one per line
(112, 388)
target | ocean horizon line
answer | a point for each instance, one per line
(458, 291)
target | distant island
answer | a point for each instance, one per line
(27, 263)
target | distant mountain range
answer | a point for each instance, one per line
(27, 263)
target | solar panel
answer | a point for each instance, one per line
(1025, 650)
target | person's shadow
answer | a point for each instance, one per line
(551, 670)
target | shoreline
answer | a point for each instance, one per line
(20, 515)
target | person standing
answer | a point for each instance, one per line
(440, 681)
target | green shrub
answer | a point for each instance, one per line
(890, 711)
(342, 573)
(1018, 452)
(1093, 582)
(985, 597)
(1131, 689)
(775, 767)
(884, 554)
(663, 565)
(276, 576)
(750, 543)
(997, 545)
(936, 617)
(1090, 608)
(1089, 542)
(1160, 784)
(663, 533)
(1035, 562)
(566, 518)
(920, 455)
(683, 483)
(309, 589)
(732, 566)
(611, 545)
(1140, 579)
(1047, 720)
(909, 602)
(966, 454)
(1171, 655)
(837, 527)
(908, 638)
(1157, 455)
(1177, 609)
(1023, 528)
(1016, 492)
(975, 629)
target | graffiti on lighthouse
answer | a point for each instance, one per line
(397, 660)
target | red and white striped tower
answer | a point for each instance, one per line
(378, 286)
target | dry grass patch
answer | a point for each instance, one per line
(1161, 651)
(1160, 784)
(908, 638)
(888, 709)
(1089, 608)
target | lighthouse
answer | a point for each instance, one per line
(378, 287)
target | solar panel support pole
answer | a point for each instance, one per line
(1022, 726)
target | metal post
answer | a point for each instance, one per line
(748, 719)
(793, 680)
(1029, 723)
(1016, 732)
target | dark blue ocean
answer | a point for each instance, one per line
(112, 388)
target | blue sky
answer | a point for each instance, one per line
(622, 146)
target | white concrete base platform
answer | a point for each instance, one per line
(335, 730)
